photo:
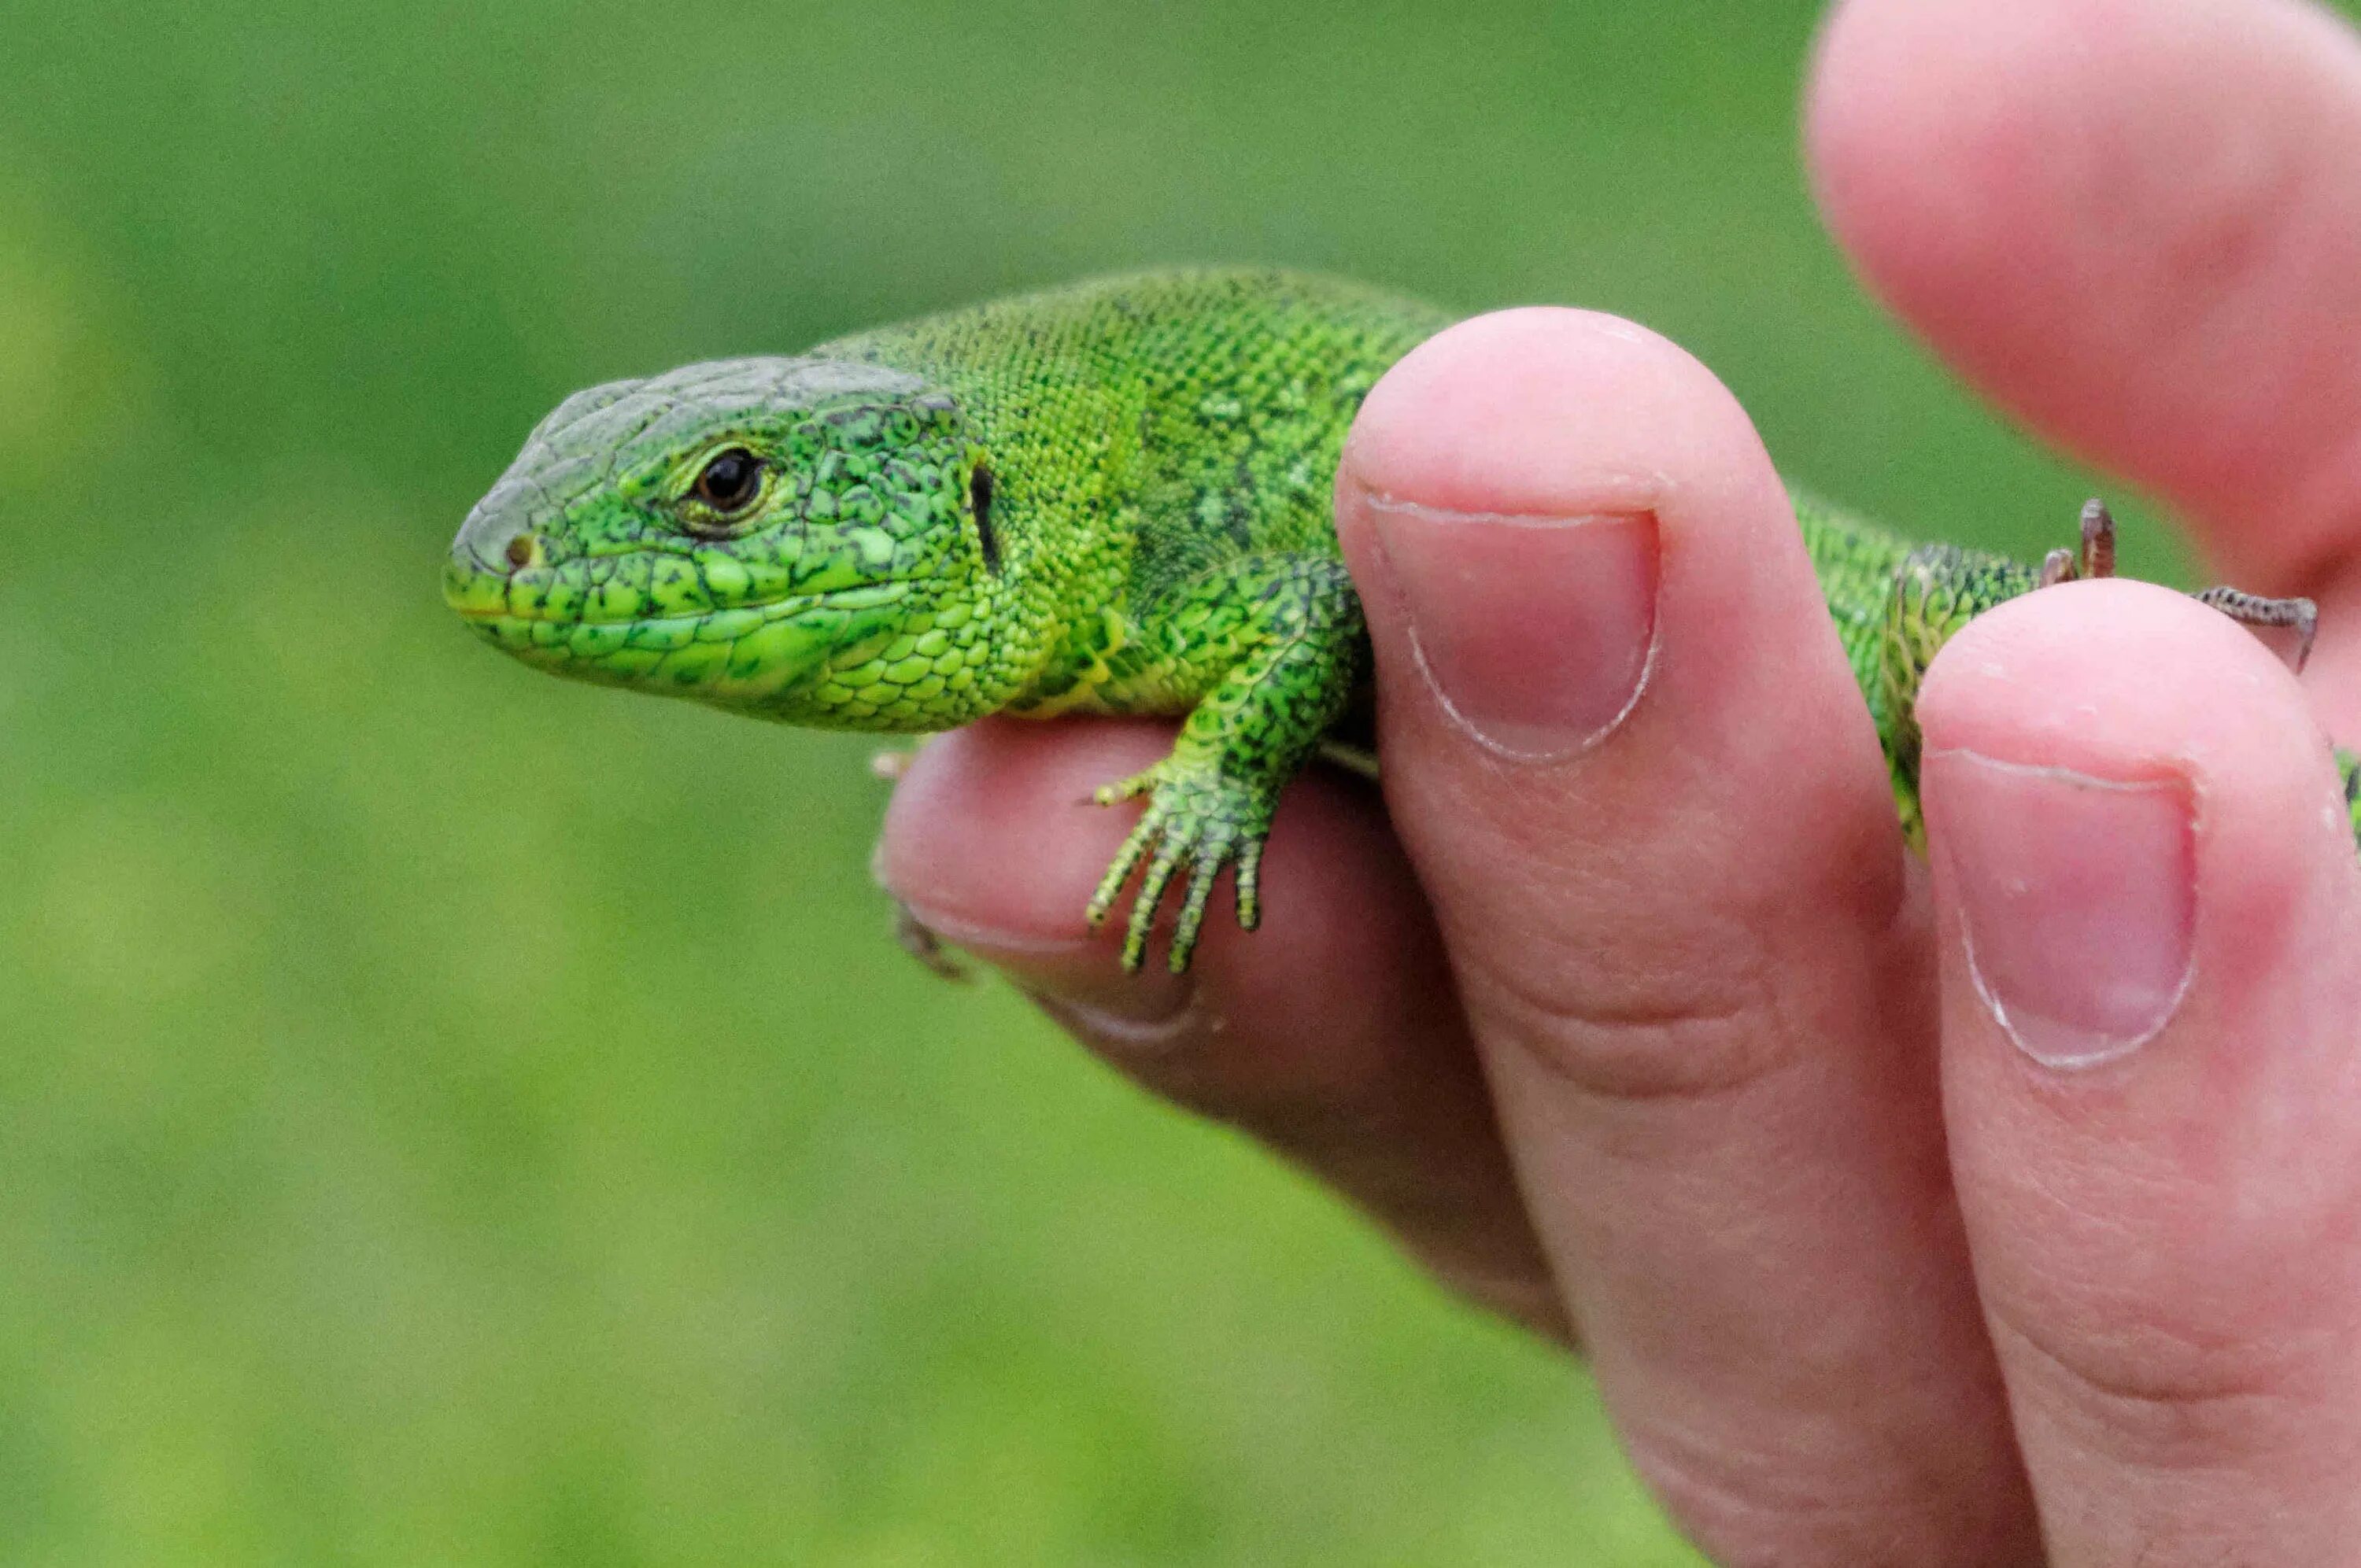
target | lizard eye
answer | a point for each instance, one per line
(729, 480)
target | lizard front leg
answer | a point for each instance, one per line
(1288, 645)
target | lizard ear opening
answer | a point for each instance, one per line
(979, 502)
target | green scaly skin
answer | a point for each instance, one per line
(1112, 498)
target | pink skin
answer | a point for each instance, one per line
(2006, 1215)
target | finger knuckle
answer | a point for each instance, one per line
(2157, 1394)
(1759, 1505)
(1677, 1031)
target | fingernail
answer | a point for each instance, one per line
(2079, 897)
(1122, 1027)
(1535, 634)
(1082, 986)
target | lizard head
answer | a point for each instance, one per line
(805, 538)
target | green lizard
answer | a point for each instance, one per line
(1111, 497)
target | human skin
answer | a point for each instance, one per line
(2002, 1207)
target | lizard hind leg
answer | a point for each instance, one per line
(2096, 558)
(2253, 610)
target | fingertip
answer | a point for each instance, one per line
(1500, 413)
(993, 828)
(2125, 223)
(1572, 548)
(993, 841)
(1505, 502)
(2144, 863)
(2136, 689)
(1911, 108)
(2118, 678)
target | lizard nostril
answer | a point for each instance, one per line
(523, 550)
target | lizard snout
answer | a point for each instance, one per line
(496, 538)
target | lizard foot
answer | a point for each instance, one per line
(2253, 610)
(2096, 558)
(1197, 820)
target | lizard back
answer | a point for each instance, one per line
(1204, 409)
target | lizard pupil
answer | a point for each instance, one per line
(729, 480)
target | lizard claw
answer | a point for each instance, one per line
(922, 942)
(1196, 823)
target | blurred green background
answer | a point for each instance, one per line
(448, 1116)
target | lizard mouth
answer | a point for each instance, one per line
(687, 601)
(751, 656)
(665, 633)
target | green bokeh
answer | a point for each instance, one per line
(446, 1116)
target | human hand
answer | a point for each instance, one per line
(1632, 1018)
